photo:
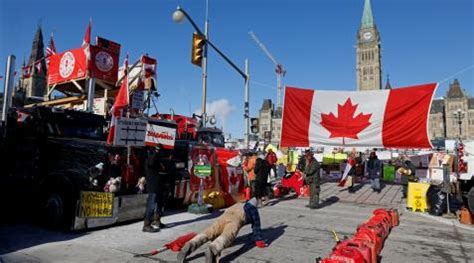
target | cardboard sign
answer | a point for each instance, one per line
(96, 204)
(159, 134)
(130, 132)
(138, 100)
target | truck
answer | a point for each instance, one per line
(50, 157)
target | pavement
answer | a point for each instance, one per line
(294, 233)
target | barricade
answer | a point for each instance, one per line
(368, 241)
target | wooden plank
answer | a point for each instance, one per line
(359, 192)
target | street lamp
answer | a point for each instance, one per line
(459, 115)
(178, 17)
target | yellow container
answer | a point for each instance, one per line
(416, 198)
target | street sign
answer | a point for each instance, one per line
(130, 132)
(96, 204)
(202, 171)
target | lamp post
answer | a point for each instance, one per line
(178, 17)
(459, 115)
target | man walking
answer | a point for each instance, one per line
(313, 179)
(374, 169)
(224, 231)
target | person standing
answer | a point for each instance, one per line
(262, 169)
(155, 188)
(272, 160)
(249, 167)
(313, 179)
(373, 171)
(408, 172)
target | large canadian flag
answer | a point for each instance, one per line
(396, 118)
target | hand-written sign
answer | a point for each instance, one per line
(96, 204)
(130, 132)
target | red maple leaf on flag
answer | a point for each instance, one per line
(345, 125)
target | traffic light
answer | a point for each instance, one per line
(254, 125)
(198, 49)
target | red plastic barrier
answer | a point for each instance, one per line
(385, 214)
(364, 250)
(372, 247)
(347, 255)
(395, 217)
(384, 221)
(371, 235)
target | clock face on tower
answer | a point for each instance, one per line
(66, 65)
(367, 36)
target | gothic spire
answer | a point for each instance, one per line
(387, 85)
(367, 17)
(37, 51)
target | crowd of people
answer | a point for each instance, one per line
(260, 169)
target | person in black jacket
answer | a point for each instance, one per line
(155, 174)
(262, 169)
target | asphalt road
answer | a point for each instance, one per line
(294, 234)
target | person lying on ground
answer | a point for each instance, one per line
(224, 230)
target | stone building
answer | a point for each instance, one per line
(368, 53)
(269, 122)
(33, 83)
(443, 122)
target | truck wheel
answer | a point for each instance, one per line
(56, 213)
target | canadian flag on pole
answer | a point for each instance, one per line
(87, 36)
(121, 102)
(396, 118)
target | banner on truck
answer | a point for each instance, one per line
(159, 134)
(130, 132)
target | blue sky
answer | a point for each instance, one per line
(422, 41)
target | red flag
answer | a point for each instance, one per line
(398, 118)
(51, 49)
(87, 37)
(121, 102)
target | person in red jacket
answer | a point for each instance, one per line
(272, 160)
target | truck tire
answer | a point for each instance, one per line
(54, 210)
(470, 200)
(57, 210)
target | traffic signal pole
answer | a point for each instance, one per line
(246, 105)
(204, 70)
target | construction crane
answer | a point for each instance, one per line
(280, 71)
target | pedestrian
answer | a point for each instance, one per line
(224, 230)
(272, 160)
(155, 183)
(373, 171)
(262, 169)
(249, 167)
(408, 172)
(312, 178)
